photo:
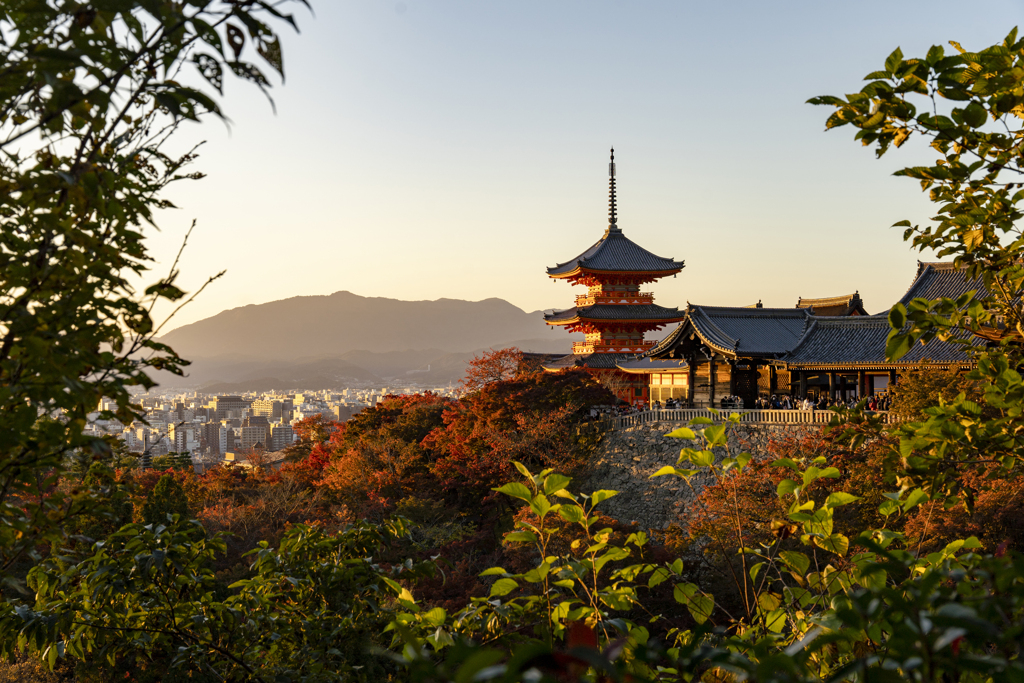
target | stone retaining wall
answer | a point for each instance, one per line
(625, 459)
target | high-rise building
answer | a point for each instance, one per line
(227, 438)
(231, 406)
(183, 438)
(281, 435)
(210, 436)
(273, 409)
(255, 429)
(264, 407)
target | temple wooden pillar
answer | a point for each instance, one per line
(732, 378)
(711, 381)
(832, 386)
(691, 379)
(803, 384)
(862, 384)
(892, 378)
(871, 385)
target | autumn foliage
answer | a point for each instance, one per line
(493, 366)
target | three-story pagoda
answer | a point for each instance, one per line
(614, 314)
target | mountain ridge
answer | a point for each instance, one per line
(345, 336)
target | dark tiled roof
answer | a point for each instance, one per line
(937, 280)
(848, 304)
(749, 331)
(598, 361)
(599, 312)
(616, 252)
(860, 340)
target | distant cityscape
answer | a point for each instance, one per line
(226, 429)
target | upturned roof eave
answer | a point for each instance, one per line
(578, 319)
(580, 270)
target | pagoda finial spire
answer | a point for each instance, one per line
(611, 194)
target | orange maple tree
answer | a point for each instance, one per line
(495, 365)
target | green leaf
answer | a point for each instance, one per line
(521, 537)
(767, 602)
(888, 507)
(893, 61)
(522, 469)
(916, 497)
(786, 462)
(701, 421)
(435, 617)
(540, 505)
(839, 498)
(664, 471)
(836, 543)
(601, 495)
(492, 571)
(555, 482)
(503, 587)
(516, 490)
(715, 435)
(701, 606)
(702, 458)
(975, 115)
(570, 513)
(775, 620)
(786, 487)
(897, 345)
(798, 562)
(658, 576)
(683, 592)
(897, 317)
(682, 433)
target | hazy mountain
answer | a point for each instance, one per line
(325, 341)
(317, 326)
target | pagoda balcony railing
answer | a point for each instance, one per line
(626, 346)
(615, 298)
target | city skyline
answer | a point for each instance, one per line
(455, 151)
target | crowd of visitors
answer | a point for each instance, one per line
(822, 402)
(597, 412)
(877, 402)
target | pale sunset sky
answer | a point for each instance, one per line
(455, 148)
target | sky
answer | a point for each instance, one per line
(456, 148)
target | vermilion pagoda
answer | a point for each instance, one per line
(614, 314)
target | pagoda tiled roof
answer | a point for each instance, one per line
(938, 280)
(847, 304)
(860, 341)
(615, 312)
(616, 253)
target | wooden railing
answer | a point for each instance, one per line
(768, 416)
(627, 346)
(615, 298)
